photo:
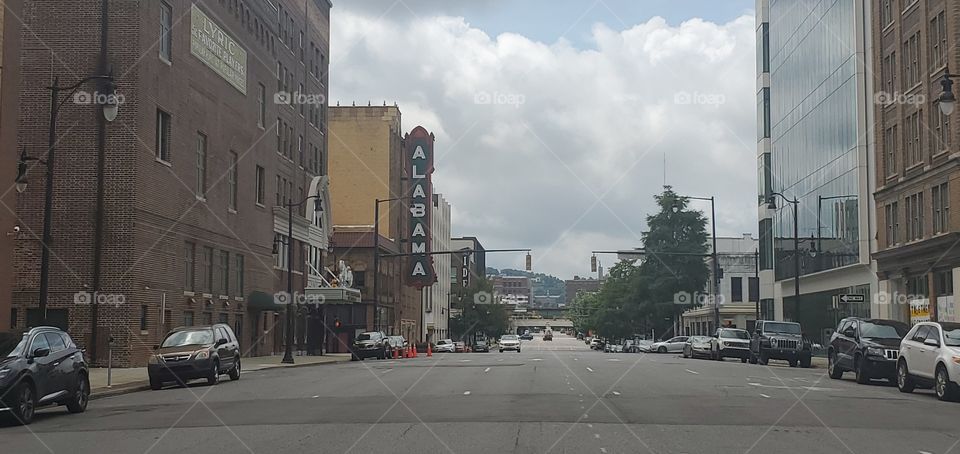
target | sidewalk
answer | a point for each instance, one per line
(127, 380)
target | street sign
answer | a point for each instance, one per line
(852, 298)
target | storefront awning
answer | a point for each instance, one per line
(332, 295)
(262, 301)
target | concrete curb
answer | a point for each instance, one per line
(144, 385)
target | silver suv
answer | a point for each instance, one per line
(929, 356)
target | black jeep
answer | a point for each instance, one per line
(779, 340)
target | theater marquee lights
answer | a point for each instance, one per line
(418, 152)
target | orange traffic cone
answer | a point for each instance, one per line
(409, 353)
(429, 351)
(396, 354)
(414, 351)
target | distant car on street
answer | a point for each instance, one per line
(509, 342)
(596, 344)
(643, 346)
(672, 345)
(397, 342)
(192, 352)
(481, 346)
(38, 368)
(445, 346)
(371, 344)
(731, 343)
(867, 347)
(548, 336)
(698, 347)
(459, 347)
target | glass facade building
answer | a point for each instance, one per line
(810, 115)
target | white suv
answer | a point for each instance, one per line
(930, 356)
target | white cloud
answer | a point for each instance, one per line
(531, 134)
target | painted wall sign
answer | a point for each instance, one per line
(418, 152)
(217, 49)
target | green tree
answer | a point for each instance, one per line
(486, 319)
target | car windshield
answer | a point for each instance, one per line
(698, 339)
(366, 336)
(785, 328)
(509, 337)
(951, 334)
(12, 344)
(189, 337)
(444, 342)
(886, 330)
(734, 334)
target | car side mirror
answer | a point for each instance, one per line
(849, 332)
(221, 341)
(931, 342)
(41, 352)
(156, 347)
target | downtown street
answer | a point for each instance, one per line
(557, 396)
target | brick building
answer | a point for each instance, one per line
(9, 35)
(221, 123)
(917, 171)
(469, 268)
(573, 287)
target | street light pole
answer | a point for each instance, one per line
(772, 204)
(291, 301)
(715, 268)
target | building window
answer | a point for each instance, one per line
(238, 327)
(279, 136)
(279, 191)
(207, 269)
(163, 136)
(911, 139)
(941, 131)
(736, 289)
(938, 41)
(890, 151)
(232, 176)
(282, 251)
(143, 317)
(187, 318)
(764, 178)
(763, 114)
(13, 318)
(166, 24)
(886, 13)
(207, 318)
(888, 69)
(766, 244)
(753, 289)
(238, 279)
(300, 149)
(189, 259)
(224, 318)
(201, 165)
(943, 282)
(914, 216)
(223, 273)
(763, 45)
(917, 286)
(261, 105)
(261, 185)
(941, 208)
(892, 219)
(911, 61)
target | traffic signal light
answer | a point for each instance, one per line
(336, 323)
(529, 262)
(593, 264)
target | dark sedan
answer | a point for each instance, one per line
(481, 346)
(41, 367)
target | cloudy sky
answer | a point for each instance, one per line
(554, 118)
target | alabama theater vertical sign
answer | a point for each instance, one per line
(418, 152)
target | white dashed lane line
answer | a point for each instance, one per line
(764, 395)
(466, 393)
(591, 370)
(486, 370)
(692, 372)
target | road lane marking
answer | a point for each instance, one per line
(807, 388)
(486, 370)
(590, 426)
(316, 397)
(596, 436)
(764, 395)
(692, 372)
(464, 360)
(613, 359)
(616, 393)
(466, 393)
(571, 389)
(537, 359)
(591, 370)
(388, 370)
(604, 450)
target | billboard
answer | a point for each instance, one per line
(217, 49)
(418, 156)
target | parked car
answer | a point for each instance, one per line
(731, 343)
(779, 340)
(192, 352)
(612, 347)
(445, 346)
(459, 347)
(643, 346)
(674, 344)
(481, 346)
(548, 336)
(371, 344)
(596, 344)
(867, 347)
(41, 367)
(509, 342)
(928, 357)
(526, 336)
(397, 343)
(698, 347)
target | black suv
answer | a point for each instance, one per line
(191, 352)
(868, 347)
(372, 344)
(779, 340)
(41, 367)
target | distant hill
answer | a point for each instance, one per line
(543, 284)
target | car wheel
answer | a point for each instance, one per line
(25, 403)
(213, 377)
(743, 360)
(753, 358)
(793, 362)
(81, 395)
(662, 350)
(905, 382)
(685, 355)
(501, 350)
(763, 358)
(718, 356)
(155, 384)
(946, 390)
(832, 368)
(235, 372)
(805, 361)
(862, 376)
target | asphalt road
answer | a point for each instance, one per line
(554, 396)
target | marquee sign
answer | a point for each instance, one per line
(418, 153)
